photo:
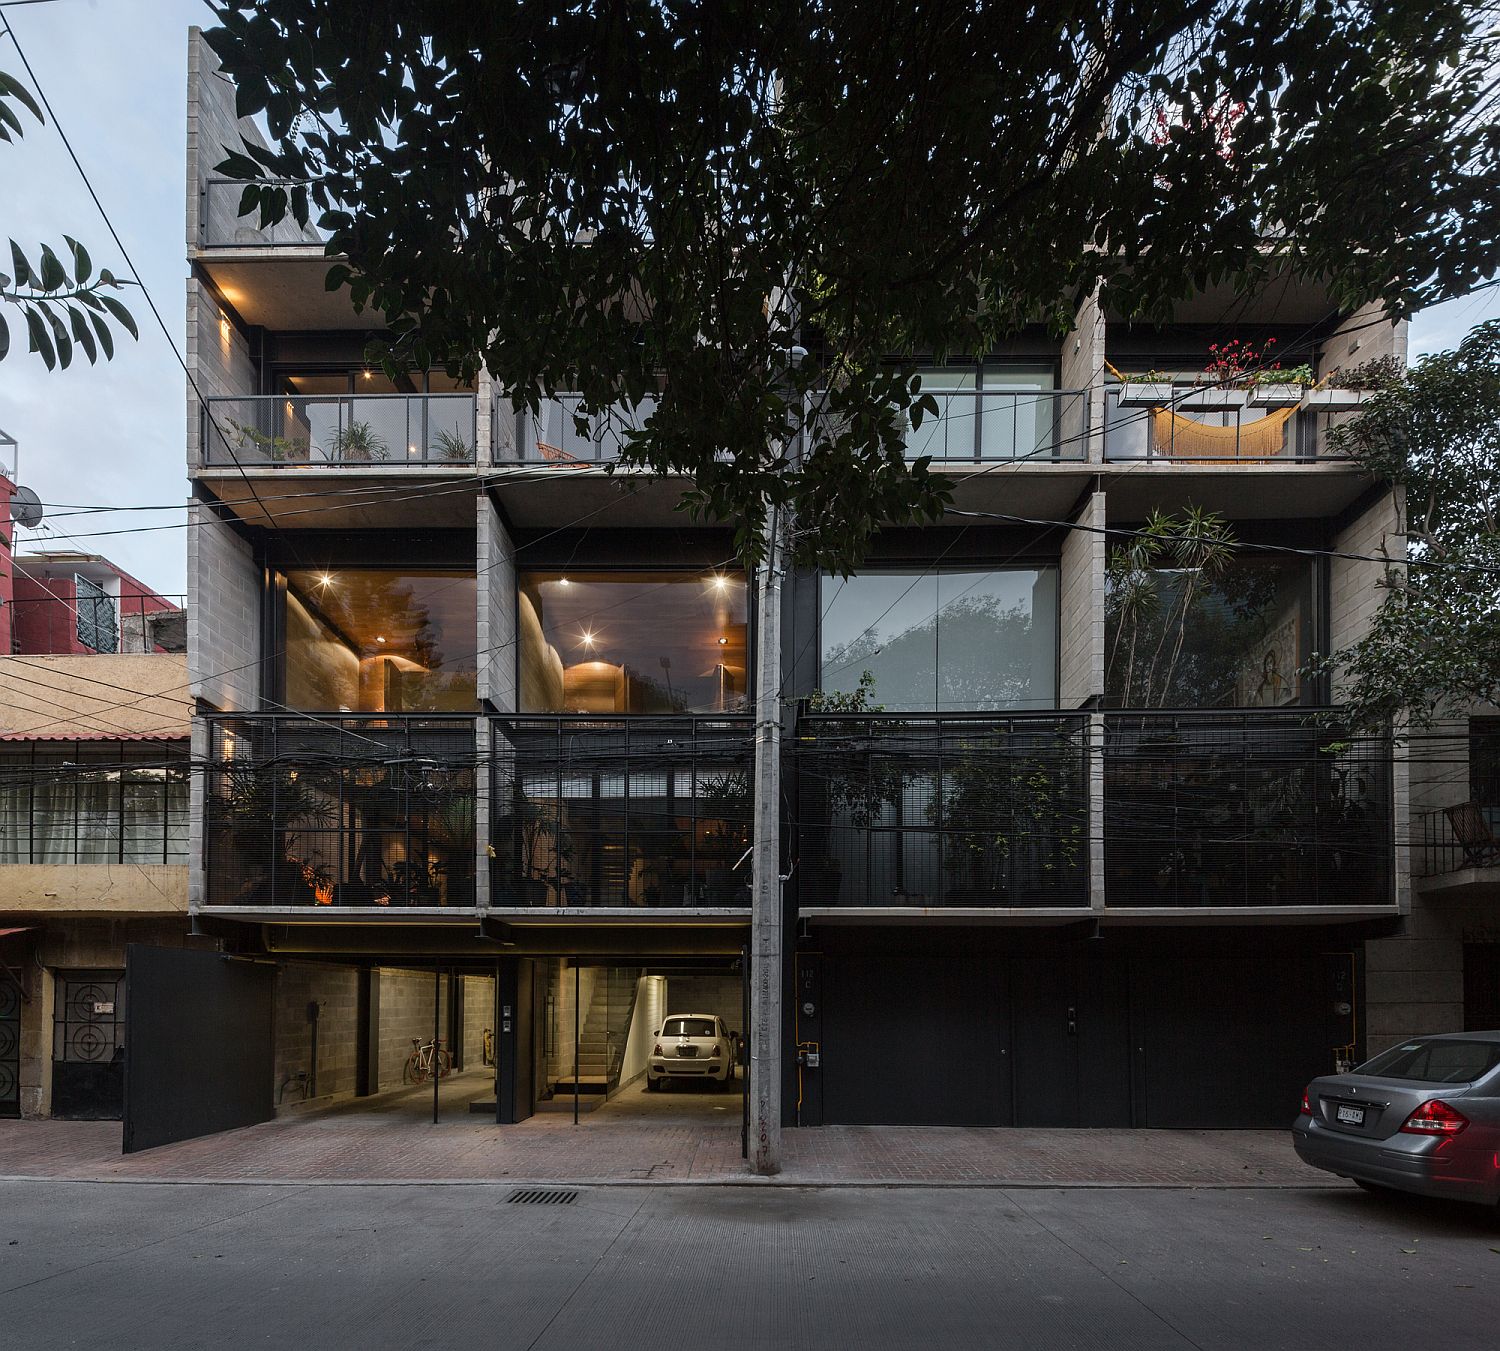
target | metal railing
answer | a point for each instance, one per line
(997, 425)
(1244, 808)
(1437, 848)
(220, 224)
(362, 430)
(1235, 433)
(621, 811)
(980, 810)
(377, 810)
(559, 433)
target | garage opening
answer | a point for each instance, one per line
(649, 1040)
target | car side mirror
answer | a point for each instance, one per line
(657, 1033)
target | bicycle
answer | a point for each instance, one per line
(427, 1058)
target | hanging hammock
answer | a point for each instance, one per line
(1180, 437)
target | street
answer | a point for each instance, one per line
(127, 1265)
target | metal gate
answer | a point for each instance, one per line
(10, 1047)
(198, 1043)
(88, 1046)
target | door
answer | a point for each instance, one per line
(198, 1039)
(914, 1041)
(1481, 987)
(88, 1046)
(10, 1046)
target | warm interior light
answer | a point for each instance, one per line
(325, 579)
(721, 583)
(563, 581)
(723, 642)
(380, 638)
(368, 375)
(588, 638)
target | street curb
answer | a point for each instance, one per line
(760, 1184)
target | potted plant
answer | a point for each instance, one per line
(359, 442)
(532, 833)
(258, 812)
(263, 447)
(453, 446)
(725, 800)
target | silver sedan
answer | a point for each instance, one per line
(1421, 1117)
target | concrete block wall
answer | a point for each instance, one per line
(1355, 590)
(1414, 983)
(335, 989)
(707, 992)
(224, 596)
(406, 1013)
(478, 994)
(219, 358)
(1082, 367)
(1364, 336)
(1080, 667)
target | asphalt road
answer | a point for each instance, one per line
(159, 1266)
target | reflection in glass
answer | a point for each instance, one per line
(632, 642)
(944, 641)
(375, 641)
(1238, 638)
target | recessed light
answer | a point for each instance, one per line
(325, 579)
(588, 638)
(380, 638)
(723, 642)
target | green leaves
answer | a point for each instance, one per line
(63, 311)
(11, 127)
(607, 200)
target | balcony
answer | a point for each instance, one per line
(559, 433)
(220, 225)
(961, 812)
(995, 425)
(621, 812)
(1262, 808)
(373, 812)
(340, 431)
(1456, 852)
(1209, 425)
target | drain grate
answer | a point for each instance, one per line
(538, 1197)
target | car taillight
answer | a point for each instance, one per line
(716, 1052)
(1435, 1117)
(1306, 1105)
(658, 1050)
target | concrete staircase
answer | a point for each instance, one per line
(601, 1037)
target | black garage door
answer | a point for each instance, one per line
(1073, 1039)
(198, 1044)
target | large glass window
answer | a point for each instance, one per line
(988, 411)
(1236, 637)
(632, 642)
(373, 640)
(947, 641)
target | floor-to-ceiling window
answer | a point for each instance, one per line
(632, 642)
(943, 640)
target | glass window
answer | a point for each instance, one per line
(632, 642)
(376, 641)
(689, 1027)
(98, 624)
(943, 641)
(1182, 638)
(1435, 1062)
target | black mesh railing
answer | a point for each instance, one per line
(1244, 808)
(621, 811)
(340, 811)
(978, 810)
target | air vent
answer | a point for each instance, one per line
(539, 1197)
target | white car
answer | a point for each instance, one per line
(692, 1046)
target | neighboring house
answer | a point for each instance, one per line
(470, 716)
(94, 788)
(82, 604)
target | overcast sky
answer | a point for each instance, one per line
(116, 74)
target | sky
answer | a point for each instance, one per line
(115, 72)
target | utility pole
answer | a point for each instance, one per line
(765, 903)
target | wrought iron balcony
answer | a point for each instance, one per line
(1244, 808)
(980, 810)
(334, 430)
(374, 811)
(621, 811)
(1454, 839)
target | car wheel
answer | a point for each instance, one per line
(653, 1085)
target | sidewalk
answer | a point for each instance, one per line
(640, 1139)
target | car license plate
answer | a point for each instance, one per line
(1350, 1116)
(687, 1050)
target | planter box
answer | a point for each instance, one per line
(1337, 400)
(1212, 400)
(1277, 396)
(1139, 394)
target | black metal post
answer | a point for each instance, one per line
(745, 1059)
(437, 1015)
(577, 1032)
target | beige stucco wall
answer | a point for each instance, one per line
(93, 889)
(104, 694)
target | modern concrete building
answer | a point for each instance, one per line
(473, 718)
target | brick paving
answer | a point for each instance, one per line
(676, 1137)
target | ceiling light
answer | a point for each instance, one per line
(588, 638)
(380, 638)
(563, 581)
(325, 579)
(368, 375)
(720, 583)
(723, 642)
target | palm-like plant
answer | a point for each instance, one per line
(359, 441)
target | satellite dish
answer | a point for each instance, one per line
(26, 508)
